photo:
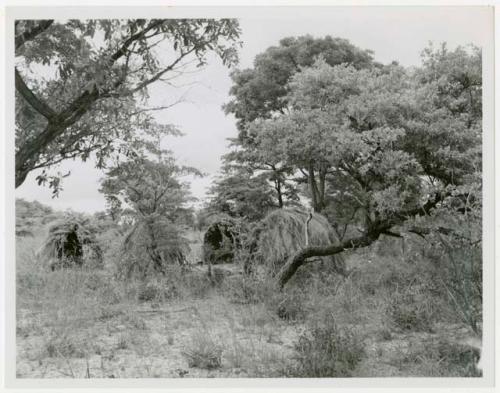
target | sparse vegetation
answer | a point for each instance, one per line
(328, 351)
(321, 324)
(342, 238)
(203, 351)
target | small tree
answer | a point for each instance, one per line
(149, 184)
(241, 194)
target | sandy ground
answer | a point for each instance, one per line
(149, 340)
(151, 344)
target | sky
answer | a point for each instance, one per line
(392, 33)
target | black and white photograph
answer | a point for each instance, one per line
(252, 193)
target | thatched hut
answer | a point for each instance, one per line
(220, 241)
(151, 245)
(283, 232)
(71, 241)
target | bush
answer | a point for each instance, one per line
(412, 310)
(440, 357)
(458, 272)
(203, 351)
(243, 289)
(327, 351)
(157, 291)
(61, 345)
(292, 307)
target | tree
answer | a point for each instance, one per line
(241, 194)
(264, 92)
(80, 84)
(148, 183)
(408, 143)
(267, 165)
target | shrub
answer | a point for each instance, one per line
(327, 351)
(440, 357)
(61, 345)
(148, 292)
(458, 272)
(243, 289)
(412, 310)
(157, 291)
(106, 312)
(135, 321)
(123, 342)
(203, 351)
(292, 307)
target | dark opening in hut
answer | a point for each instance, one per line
(70, 242)
(219, 242)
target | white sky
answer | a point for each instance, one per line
(393, 33)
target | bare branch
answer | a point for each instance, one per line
(161, 73)
(157, 108)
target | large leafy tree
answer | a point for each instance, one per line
(81, 85)
(400, 144)
(263, 92)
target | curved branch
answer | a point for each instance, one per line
(301, 257)
(375, 230)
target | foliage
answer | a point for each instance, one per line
(91, 96)
(380, 134)
(241, 194)
(399, 143)
(328, 351)
(31, 209)
(457, 264)
(150, 186)
(31, 215)
(412, 309)
(157, 291)
(263, 92)
(203, 351)
(440, 357)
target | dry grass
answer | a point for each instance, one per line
(80, 323)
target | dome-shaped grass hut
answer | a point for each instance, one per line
(283, 232)
(71, 241)
(220, 241)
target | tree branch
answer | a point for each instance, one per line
(35, 102)
(301, 257)
(147, 82)
(371, 235)
(28, 35)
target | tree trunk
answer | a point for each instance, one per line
(313, 188)
(280, 195)
(321, 188)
